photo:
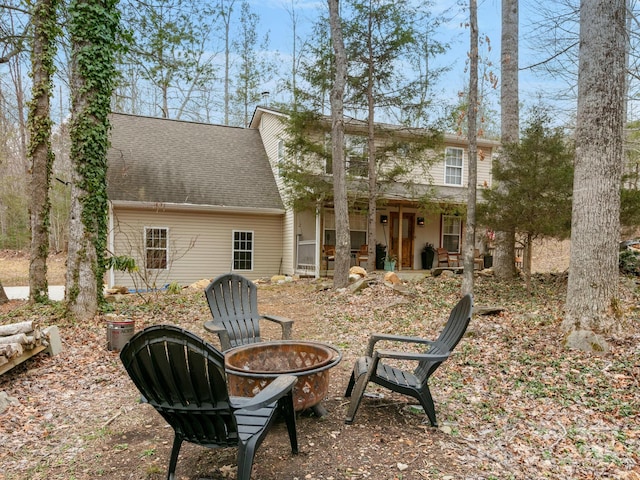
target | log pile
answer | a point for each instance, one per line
(19, 341)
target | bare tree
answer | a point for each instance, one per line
(225, 12)
(341, 208)
(591, 306)
(504, 256)
(472, 117)
(3, 294)
(44, 23)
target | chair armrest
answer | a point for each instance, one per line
(376, 337)
(439, 357)
(277, 389)
(285, 323)
(223, 335)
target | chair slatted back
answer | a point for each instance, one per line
(233, 301)
(443, 257)
(450, 336)
(183, 378)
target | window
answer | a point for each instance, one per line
(355, 156)
(356, 161)
(451, 230)
(453, 161)
(328, 162)
(242, 250)
(156, 243)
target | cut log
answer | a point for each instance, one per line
(14, 328)
(17, 338)
(11, 349)
(17, 360)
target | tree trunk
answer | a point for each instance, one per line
(3, 295)
(470, 233)
(92, 30)
(40, 146)
(504, 255)
(343, 236)
(81, 291)
(593, 267)
(372, 167)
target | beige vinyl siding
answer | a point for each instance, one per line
(483, 164)
(211, 237)
(272, 131)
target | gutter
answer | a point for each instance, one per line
(165, 206)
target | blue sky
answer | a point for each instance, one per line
(275, 18)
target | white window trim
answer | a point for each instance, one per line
(446, 166)
(146, 248)
(233, 251)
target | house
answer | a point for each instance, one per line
(403, 227)
(190, 201)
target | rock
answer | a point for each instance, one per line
(117, 289)
(6, 401)
(361, 272)
(278, 279)
(358, 285)
(391, 277)
(587, 341)
(200, 284)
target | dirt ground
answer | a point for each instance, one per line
(511, 402)
(14, 268)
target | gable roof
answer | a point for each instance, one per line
(155, 160)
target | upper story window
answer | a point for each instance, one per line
(156, 241)
(242, 250)
(328, 166)
(356, 158)
(453, 163)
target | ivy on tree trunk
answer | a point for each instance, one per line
(39, 149)
(93, 27)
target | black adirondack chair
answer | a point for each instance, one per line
(233, 301)
(415, 384)
(183, 378)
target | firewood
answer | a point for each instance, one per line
(17, 338)
(11, 349)
(14, 328)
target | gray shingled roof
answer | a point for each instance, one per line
(169, 161)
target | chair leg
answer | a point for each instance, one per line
(246, 452)
(177, 443)
(360, 384)
(352, 382)
(287, 408)
(426, 400)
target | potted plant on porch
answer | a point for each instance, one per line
(390, 263)
(427, 255)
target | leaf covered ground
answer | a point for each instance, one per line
(512, 403)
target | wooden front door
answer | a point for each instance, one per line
(402, 234)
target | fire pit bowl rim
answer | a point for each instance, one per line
(325, 365)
